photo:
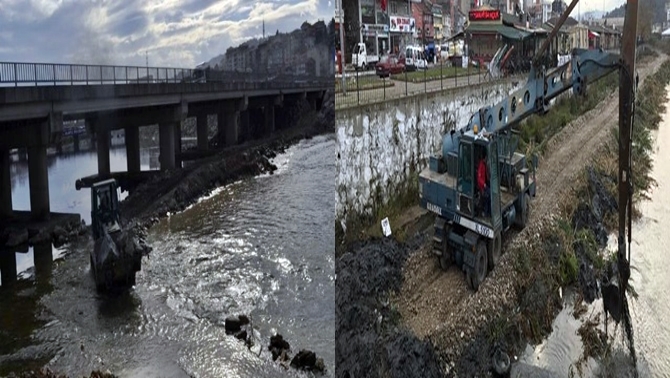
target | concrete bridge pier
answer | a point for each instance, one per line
(75, 142)
(177, 144)
(103, 140)
(132, 141)
(7, 267)
(38, 177)
(166, 136)
(244, 128)
(38, 172)
(232, 127)
(5, 184)
(201, 124)
(269, 118)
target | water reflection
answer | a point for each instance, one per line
(63, 172)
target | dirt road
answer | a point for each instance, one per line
(438, 305)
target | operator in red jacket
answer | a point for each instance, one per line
(482, 179)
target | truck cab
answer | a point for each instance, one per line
(363, 58)
(104, 208)
(469, 223)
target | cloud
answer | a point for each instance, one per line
(174, 33)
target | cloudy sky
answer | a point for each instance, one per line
(174, 33)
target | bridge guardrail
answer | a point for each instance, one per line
(35, 74)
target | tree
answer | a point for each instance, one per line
(351, 27)
(645, 19)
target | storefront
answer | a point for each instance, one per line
(374, 27)
(402, 31)
(486, 33)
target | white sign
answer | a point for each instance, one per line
(386, 227)
(402, 24)
(434, 208)
(563, 59)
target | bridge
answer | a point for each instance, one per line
(37, 98)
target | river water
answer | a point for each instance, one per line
(651, 311)
(262, 246)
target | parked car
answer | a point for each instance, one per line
(389, 65)
(415, 58)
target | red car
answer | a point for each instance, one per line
(389, 65)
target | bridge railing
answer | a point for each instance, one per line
(45, 74)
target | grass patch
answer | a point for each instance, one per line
(363, 83)
(435, 73)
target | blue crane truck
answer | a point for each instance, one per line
(468, 228)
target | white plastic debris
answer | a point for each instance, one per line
(386, 227)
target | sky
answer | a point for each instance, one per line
(594, 5)
(170, 33)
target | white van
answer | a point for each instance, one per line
(415, 58)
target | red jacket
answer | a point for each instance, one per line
(481, 175)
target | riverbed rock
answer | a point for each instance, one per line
(39, 238)
(241, 335)
(307, 360)
(233, 324)
(279, 347)
(17, 237)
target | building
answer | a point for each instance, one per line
(423, 14)
(402, 27)
(486, 33)
(437, 23)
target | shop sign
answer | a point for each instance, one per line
(402, 24)
(484, 15)
(371, 30)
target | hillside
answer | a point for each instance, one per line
(303, 51)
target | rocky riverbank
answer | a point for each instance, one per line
(371, 340)
(175, 190)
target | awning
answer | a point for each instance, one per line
(505, 31)
(458, 35)
(593, 34)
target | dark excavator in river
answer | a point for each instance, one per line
(468, 228)
(117, 254)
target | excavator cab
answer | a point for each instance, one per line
(104, 208)
(471, 202)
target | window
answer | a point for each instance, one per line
(465, 173)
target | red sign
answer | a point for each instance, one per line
(484, 15)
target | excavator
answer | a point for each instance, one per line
(469, 227)
(116, 256)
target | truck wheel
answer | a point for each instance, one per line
(523, 214)
(495, 250)
(445, 259)
(481, 265)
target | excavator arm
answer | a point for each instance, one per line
(586, 66)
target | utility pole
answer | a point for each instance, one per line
(341, 19)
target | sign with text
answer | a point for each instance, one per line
(484, 15)
(375, 30)
(402, 24)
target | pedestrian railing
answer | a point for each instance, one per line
(44, 74)
(364, 87)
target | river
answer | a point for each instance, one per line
(262, 246)
(651, 311)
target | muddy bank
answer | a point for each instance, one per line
(370, 340)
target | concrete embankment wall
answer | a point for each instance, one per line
(380, 145)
